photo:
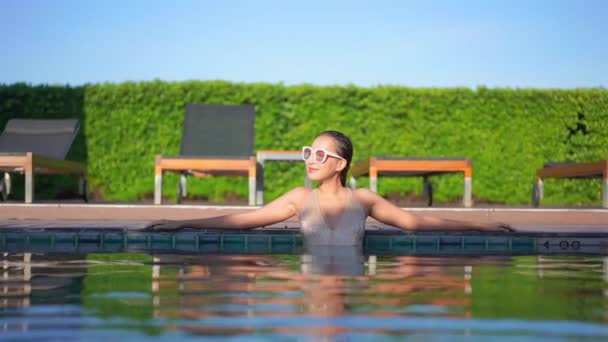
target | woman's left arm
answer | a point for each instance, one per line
(387, 213)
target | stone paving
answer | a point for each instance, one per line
(136, 216)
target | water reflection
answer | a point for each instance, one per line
(324, 293)
(333, 260)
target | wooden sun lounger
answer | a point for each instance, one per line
(217, 140)
(203, 167)
(597, 169)
(32, 147)
(31, 164)
(424, 167)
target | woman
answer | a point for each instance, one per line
(332, 214)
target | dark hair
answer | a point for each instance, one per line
(344, 148)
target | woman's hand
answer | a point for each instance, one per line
(164, 225)
(498, 227)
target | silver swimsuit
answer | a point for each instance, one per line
(348, 232)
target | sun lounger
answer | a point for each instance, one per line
(425, 167)
(217, 140)
(597, 169)
(38, 147)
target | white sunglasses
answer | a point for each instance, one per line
(320, 155)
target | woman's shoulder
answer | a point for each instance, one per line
(365, 196)
(301, 191)
(363, 193)
(298, 197)
(299, 194)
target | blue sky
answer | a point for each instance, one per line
(518, 44)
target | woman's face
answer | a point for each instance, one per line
(332, 166)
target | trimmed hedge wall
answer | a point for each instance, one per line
(508, 133)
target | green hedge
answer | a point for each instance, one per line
(508, 133)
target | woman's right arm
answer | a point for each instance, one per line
(278, 210)
(388, 213)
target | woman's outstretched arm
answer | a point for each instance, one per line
(386, 212)
(278, 210)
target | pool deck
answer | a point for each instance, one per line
(136, 216)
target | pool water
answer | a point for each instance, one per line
(322, 294)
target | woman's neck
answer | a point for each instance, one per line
(331, 186)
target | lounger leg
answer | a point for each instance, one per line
(80, 186)
(468, 192)
(29, 179)
(428, 191)
(7, 183)
(5, 186)
(259, 191)
(541, 190)
(182, 188)
(158, 188)
(537, 192)
(158, 181)
(82, 189)
(183, 182)
(252, 192)
(373, 179)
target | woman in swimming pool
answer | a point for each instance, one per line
(332, 214)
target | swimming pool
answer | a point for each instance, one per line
(95, 285)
